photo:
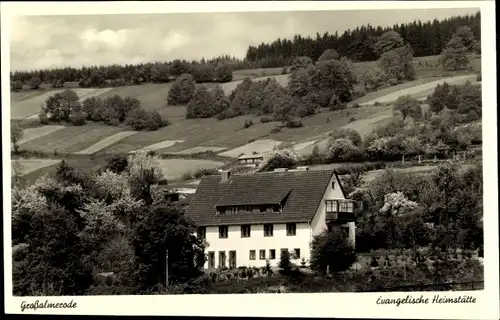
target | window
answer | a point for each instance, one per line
(241, 208)
(268, 230)
(223, 231)
(234, 209)
(248, 208)
(296, 253)
(291, 229)
(331, 206)
(330, 228)
(333, 184)
(346, 206)
(276, 208)
(252, 254)
(284, 251)
(245, 231)
(222, 210)
(211, 259)
(222, 259)
(272, 254)
(262, 208)
(262, 254)
(202, 232)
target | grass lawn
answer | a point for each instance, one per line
(71, 139)
(255, 73)
(26, 166)
(174, 169)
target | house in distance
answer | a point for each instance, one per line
(248, 219)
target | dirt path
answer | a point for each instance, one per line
(420, 88)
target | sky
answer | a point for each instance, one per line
(39, 42)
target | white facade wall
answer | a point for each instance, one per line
(257, 241)
(332, 192)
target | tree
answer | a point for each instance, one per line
(454, 56)
(467, 37)
(329, 54)
(299, 81)
(221, 102)
(437, 100)
(284, 263)
(16, 134)
(342, 149)
(331, 250)
(223, 73)
(34, 83)
(203, 72)
(201, 105)
(301, 62)
(349, 134)
(93, 107)
(182, 90)
(16, 86)
(166, 228)
(375, 78)
(388, 41)
(408, 106)
(331, 77)
(285, 158)
(398, 64)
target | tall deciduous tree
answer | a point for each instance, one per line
(182, 90)
(16, 134)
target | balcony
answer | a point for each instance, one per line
(340, 210)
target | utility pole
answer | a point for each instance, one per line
(166, 267)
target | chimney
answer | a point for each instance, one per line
(281, 170)
(303, 168)
(225, 174)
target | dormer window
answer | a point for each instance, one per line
(263, 208)
(248, 208)
(234, 209)
(276, 208)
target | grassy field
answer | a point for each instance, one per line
(27, 104)
(26, 166)
(255, 73)
(71, 139)
(106, 142)
(174, 169)
(34, 133)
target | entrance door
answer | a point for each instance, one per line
(232, 259)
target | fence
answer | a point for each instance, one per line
(448, 286)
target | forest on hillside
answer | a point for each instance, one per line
(425, 38)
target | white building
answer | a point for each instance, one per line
(248, 219)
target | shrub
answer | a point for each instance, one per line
(356, 105)
(42, 117)
(182, 90)
(77, 118)
(248, 123)
(352, 119)
(140, 119)
(284, 263)
(343, 150)
(226, 114)
(330, 249)
(276, 130)
(265, 119)
(293, 124)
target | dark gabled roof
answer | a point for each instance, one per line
(301, 190)
(251, 193)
